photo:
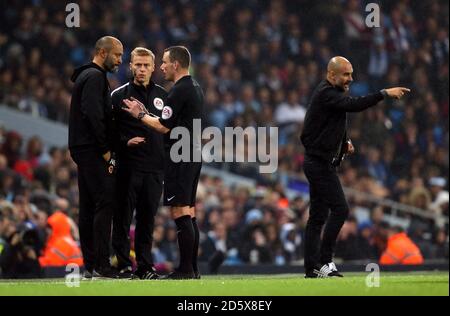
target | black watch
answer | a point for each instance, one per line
(141, 115)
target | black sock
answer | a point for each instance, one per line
(196, 242)
(185, 242)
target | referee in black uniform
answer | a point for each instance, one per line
(140, 167)
(325, 139)
(184, 105)
(91, 145)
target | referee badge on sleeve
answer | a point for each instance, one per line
(158, 103)
(167, 112)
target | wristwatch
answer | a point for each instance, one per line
(141, 115)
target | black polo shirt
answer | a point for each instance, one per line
(184, 104)
(148, 157)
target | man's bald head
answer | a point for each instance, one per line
(339, 72)
(108, 53)
(106, 43)
(336, 63)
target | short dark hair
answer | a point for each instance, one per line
(106, 43)
(180, 54)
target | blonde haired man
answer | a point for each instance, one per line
(140, 167)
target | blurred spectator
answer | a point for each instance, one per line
(440, 197)
(291, 242)
(161, 260)
(34, 151)
(347, 241)
(375, 166)
(18, 259)
(11, 148)
(255, 249)
(378, 63)
(213, 248)
(169, 244)
(366, 243)
(440, 248)
(420, 198)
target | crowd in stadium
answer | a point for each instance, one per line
(260, 72)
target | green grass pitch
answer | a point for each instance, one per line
(410, 283)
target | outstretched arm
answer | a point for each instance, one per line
(397, 92)
(136, 109)
(345, 103)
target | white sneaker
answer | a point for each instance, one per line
(323, 272)
(334, 270)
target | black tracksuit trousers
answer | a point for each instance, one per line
(96, 188)
(140, 191)
(328, 205)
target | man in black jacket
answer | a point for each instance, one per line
(141, 167)
(91, 145)
(325, 139)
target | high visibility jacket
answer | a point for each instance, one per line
(401, 250)
(61, 249)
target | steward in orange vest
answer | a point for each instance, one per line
(401, 250)
(61, 249)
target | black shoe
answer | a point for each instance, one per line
(145, 275)
(105, 273)
(87, 275)
(310, 275)
(336, 274)
(178, 275)
(197, 275)
(125, 273)
(318, 272)
(334, 270)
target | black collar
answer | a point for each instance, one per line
(150, 85)
(187, 77)
(336, 87)
(92, 64)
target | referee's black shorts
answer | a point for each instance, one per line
(180, 183)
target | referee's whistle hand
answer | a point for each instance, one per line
(132, 107)
(397, 92)
(141, 105)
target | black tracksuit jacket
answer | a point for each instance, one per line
(90, 124)
(324, 130)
